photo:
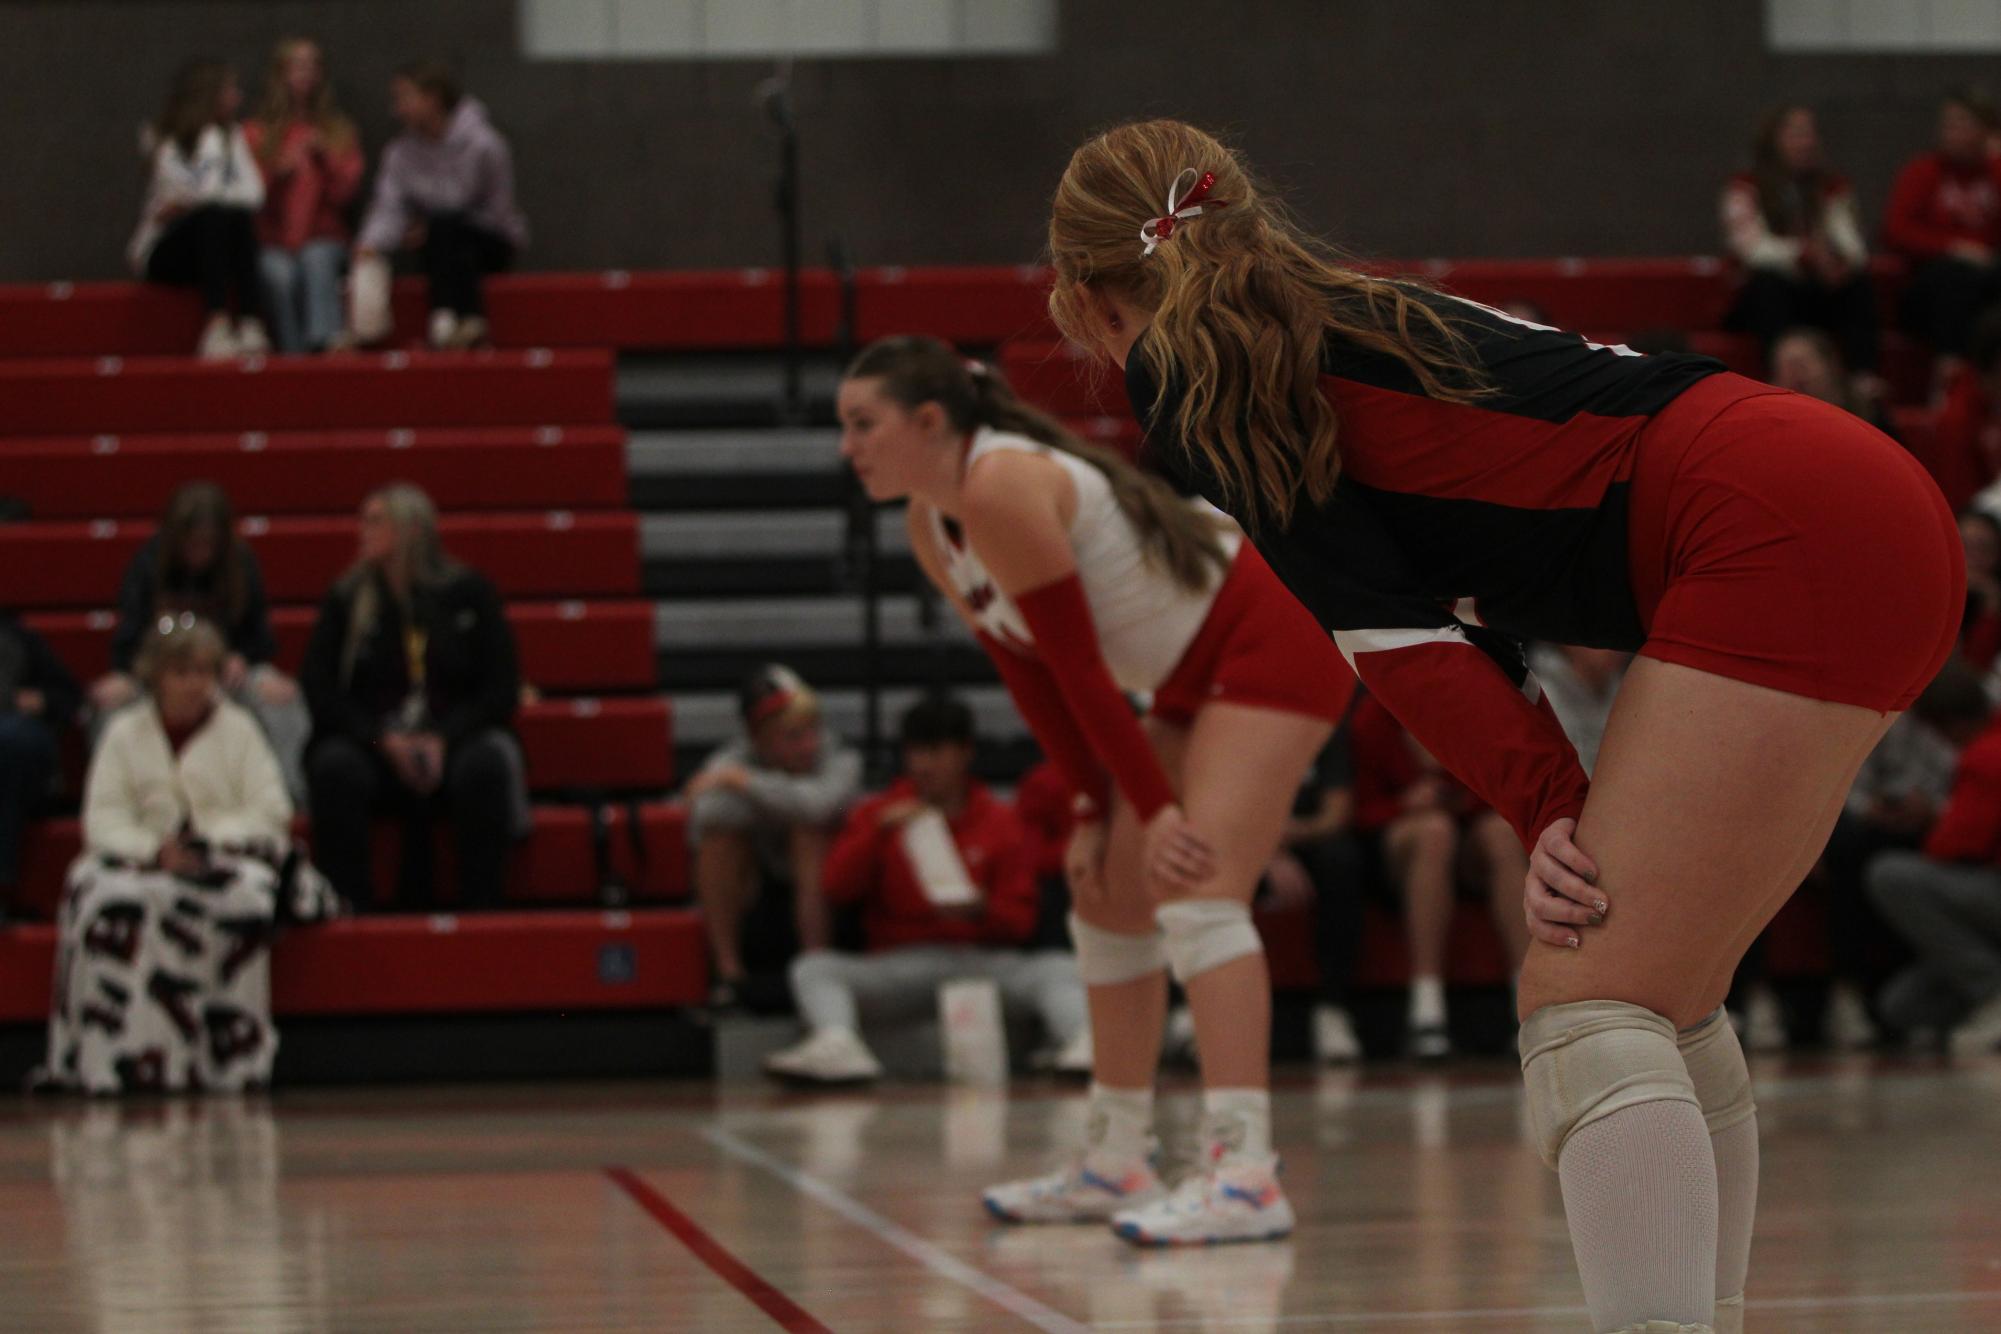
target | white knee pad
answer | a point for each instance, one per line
(1206, 933)
(1716, 1068)
(1106, 958)
(1586, 1060)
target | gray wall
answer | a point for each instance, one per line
(1405, 127)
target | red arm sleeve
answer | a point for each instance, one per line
(854, 862)
(1906, 227)
(1040, 700)
(1066, 640)
(1969, 828)
(1013, 900)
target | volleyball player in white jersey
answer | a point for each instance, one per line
(1083, 577)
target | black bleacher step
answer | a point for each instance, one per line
(722, 389)
(737, 469)
(956, 664)
(769, 576)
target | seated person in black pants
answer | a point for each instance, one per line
(1321, 857)
(412, 677)
(445, 193)
(1944, 218)
(198, 227)
(38, 696)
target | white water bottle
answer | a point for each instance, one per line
(969, 1020)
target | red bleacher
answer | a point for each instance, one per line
(563, 645)
(72, 564)
(485, 963)
(390, 389)
(318, 472)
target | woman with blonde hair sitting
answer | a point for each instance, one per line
(163, 967)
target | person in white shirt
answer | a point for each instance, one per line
(163, 960)
(198, 226)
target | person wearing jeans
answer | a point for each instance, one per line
(311, 159)
(1945, 898)
(445, 195)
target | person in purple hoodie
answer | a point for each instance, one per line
(445, 193)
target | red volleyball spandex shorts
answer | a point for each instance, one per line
(1258, 647)
(1779, 540)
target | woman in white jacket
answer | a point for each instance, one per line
(198, 226)
(162, 975)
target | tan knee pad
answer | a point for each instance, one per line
(1588, 1059)
(1106, 958)
(1715, 1062)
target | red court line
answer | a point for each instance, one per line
(788, 1313)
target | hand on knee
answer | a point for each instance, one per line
(1202, 934)
(1585, 1060)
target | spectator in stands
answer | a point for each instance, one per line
(942, 870)
(162, 978)
(1791, 223)
(1896, 797)
(1042, 801)
(1980, 633)
(197, 566)
(1944, 217)
(413, 680)
(197, 227)
(1321, 859)
(1806, 361)
(311, 158)
(1967, 432)
(1581, 684)
(761, 813)
(1425, 828)
(1945, 899)
(445, 193)
(38, 697)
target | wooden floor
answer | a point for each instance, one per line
(665, 1207)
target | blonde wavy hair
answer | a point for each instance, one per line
(1242, 302)
(274, 106)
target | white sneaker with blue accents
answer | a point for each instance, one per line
(1089, 1190)
(1236, 1199)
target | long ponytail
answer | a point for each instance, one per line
(1183, 542)
(1242, 302)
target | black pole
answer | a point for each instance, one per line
(775, 94)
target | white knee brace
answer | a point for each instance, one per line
(1716, 1068)
(1586, 1060)
(1106, 958)
(1206, 933)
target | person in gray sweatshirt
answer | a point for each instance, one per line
(445, 194)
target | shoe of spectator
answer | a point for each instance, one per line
(1075, 1056)
(471, 333)
(1762, 1024)
(1428, 1042)
(251, 340)
(444, 330)
(1236, 1199)
(1334, 1040)
(1090, 1190)
(1978, 1033)
(1848, 1024)
(827, 1056)
(218, 340)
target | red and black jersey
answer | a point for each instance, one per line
(1458, 530)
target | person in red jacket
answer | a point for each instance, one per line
(1945, 218)
(1429, 828)
(943, 874)
(1966, 434)
(1945, 899)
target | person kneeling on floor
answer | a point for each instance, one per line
(943, 874)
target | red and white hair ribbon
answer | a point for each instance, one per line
(1179, 206)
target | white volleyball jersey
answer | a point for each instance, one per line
(1145, 620)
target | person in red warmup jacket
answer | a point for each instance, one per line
(928, 923)
(1945, 899)
(1945, 218)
